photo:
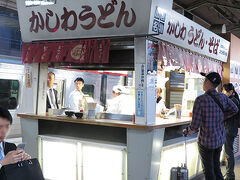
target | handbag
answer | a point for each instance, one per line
(23, 170)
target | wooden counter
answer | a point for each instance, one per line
(160, 123)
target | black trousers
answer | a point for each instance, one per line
(228, 146)
(211, 162)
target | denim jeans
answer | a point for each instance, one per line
(211, 162)
(228, 146)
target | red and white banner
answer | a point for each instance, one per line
(80, 52)
(59, 52)
(170, 55)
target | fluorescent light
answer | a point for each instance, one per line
(174, 156)
(59, 160)
(161, 10)
(39, 2)
(82, 160)
(102, 163)
(79, 160)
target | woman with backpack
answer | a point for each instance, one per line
(231, 128)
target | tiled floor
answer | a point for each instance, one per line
(237, 170)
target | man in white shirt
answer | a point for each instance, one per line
(126, 102)
(112, 104)
(122, 103)
(76, 96)
(8, 152)
(51, 93)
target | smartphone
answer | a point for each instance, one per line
(21, 146)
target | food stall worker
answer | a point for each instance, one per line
(51, 93)
(160, 108)
(77, 95)
(112, 105)
(126, 102)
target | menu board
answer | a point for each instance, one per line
(177, 80)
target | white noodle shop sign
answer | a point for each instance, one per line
(73, 19)
(177, 29)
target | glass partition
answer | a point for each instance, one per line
(9, 93)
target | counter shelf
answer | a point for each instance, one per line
(143, 142)
(160, 123)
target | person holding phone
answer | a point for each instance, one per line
(9, 154)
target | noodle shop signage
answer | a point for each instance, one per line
(73, 19)
(177, 29)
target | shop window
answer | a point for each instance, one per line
(103, 94)
(9, 93)
(15, 39)
(88, 89)
(59, 86)
(174, 88)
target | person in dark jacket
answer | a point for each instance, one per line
(8, 152)
(231, 128)
(51, 93)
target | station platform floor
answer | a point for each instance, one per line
(236, 170)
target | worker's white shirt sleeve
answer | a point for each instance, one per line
(74, 99)
(112, 105)
(126, 104)
(160, 107)
(49, 98)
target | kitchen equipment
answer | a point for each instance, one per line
(122, 117)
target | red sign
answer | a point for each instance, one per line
(83, 51)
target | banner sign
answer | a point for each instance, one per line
(73, 19)
(177, 29)
(170, 55)
(81, 52)
(140, 103)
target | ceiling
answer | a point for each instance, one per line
(11, 4)
(8, 13)
(208, 13)
(212, 13)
